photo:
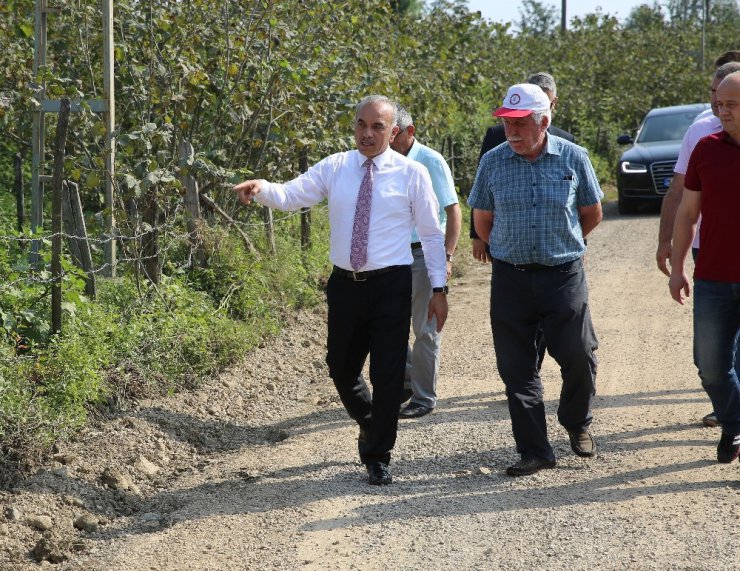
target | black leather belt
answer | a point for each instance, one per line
(363, 276)
(535, 267)
(415, 245)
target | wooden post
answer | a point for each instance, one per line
(20, 204)
(74, 223)
(150, 239)
(56, 217)
(192, 205)
(305, 212)
(269, 229)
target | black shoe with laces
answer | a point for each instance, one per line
(728, 448)
(414, 410)
(527, 466)
(378, 474)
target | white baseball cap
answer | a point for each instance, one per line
(523, 99)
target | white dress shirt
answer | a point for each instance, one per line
(700, 128)
(403, 198)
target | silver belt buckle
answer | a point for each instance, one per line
(356, 279)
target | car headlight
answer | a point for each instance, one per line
(633, 168)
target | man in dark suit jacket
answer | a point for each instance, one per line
(495, 136)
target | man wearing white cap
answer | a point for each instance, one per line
(535, 201)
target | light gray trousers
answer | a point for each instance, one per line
(422, 362)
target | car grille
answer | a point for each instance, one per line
(662, 175)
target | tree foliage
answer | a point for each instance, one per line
(646, 17)
(537, 18)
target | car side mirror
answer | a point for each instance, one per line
(624, 140)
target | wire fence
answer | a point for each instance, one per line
(24, 256)
(173, 231)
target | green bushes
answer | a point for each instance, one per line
(138, 340)
(46, 395)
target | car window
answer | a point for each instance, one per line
(665, 127)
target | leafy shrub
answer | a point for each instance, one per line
(45, 395)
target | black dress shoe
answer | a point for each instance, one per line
(378, 474)
(582, 443)
(527, 466)
(414, 410)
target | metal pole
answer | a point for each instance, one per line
(37, 145)
(110, 123)
(705, 4)
(563, 19)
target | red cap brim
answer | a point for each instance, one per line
(506, 112)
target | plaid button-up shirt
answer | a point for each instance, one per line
(535, 204)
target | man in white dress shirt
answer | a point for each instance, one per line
(370, 305)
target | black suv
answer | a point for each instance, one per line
(645, 170)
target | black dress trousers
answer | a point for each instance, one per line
(373, 318)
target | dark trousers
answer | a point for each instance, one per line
(370, 318)
(555, 301)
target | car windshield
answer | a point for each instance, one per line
(665, 127)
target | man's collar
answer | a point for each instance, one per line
(727, 138)
(413, 151)
(553, 147)
(378, 160)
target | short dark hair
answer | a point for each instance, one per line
(726, 69)
(727, 57)
(544, 81)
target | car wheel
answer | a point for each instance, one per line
(625, 206)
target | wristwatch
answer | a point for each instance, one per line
(449, 257)
(443, 289)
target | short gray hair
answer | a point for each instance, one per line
(376, 99)
(403, 117)
(544, 81)
(539, 115)
(726, 69)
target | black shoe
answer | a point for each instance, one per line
(378, 474)
(406, 395)
(710, 420)
(414, 410)
(728, 448)
(582, 443)
(527, 466)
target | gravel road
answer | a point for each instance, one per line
(259, 469)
